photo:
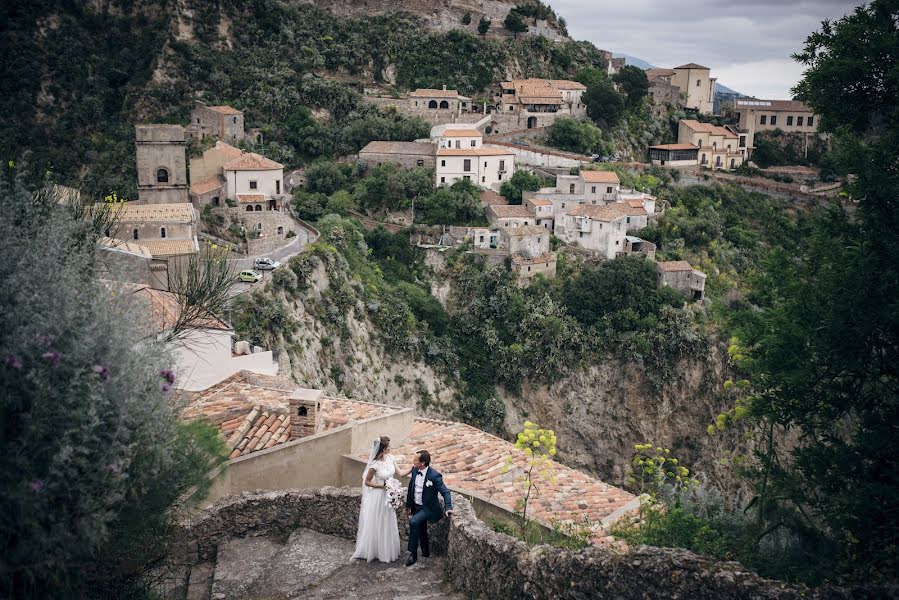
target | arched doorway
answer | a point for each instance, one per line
(532, 122)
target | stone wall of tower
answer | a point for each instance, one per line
(161, 147)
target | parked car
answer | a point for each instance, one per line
(249, 276)
(265, 264)
(520, 143)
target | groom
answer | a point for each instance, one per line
(422, 504)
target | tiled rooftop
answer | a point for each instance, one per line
(518, 259)
(473, 461)
(169, 247)
(503, 211)
(251, 161)
(674, 147)
(479, 151)
(489, 197)
(461, 133)
(692, 66)
(431, 93)
(130, 212)
(606, 213)
(250, 197)
(164, 310)
(380, 147)
(251, 411)
(674, 265)
(207, 185)
(526, 230)
(591, 176)
(707, 128)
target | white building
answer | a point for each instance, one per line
(460, 138)
(484, 166)
(543, 211)
(206, 353)
(601, 229)
(599, 186)
(696, 86)
(255, 182)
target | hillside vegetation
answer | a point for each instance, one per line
(82, 76)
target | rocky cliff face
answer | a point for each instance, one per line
(599, 413)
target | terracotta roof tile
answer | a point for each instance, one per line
(490, 197)
(675, 147)
(674, 265)
(207, 185)
(502, 211)
(251, 161)
(591, 176)
(606, 213)
(540, 202)
(129, 212)
(250, 197)
(479, 151)
(461, 133)
(527, 230)
(164, 310)
(169, 247)
(414, 148)
(251, 410)
(518, 259)
(473, 461)
(431, 93)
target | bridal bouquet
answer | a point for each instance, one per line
(395, 493)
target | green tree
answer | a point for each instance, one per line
(521, 181)
(466, 18)
(632, 81)
(604, 105)
(514, 22)
(309, 206)
(573, 135)
(96, 466)
(483, 26)
(326, 177)
(591, 76)
(341, 202)
(822, 356)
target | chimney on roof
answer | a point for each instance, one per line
(444, 87)
(305, 412)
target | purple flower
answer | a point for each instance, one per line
(168, 374)
(102, 371)
(165, 387)
(37, 485)
(13, 362)
(52, 357)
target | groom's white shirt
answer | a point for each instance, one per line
(420, 485)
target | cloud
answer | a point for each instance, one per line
(746, 44)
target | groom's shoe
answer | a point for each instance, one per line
(411, 560)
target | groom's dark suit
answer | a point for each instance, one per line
(428, 511)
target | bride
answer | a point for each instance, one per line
(378, 536)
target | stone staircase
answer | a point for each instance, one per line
(311, 566)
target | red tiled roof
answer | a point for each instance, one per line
(503, 211)
(518, 259)
(461, 133)
(406, 148)
(707, 128)
(250, 197)
(671, 266)
(606, 213)
(431, 93)
(540, 202)
(207, 185)
(479, 151)
(226, 149)
(771, 105)
(599, 176)
(691, 66)
(473, 461)
(164, 310)
(490, 197)
(252, 162)
(251, 411)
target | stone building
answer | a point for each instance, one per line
(543, 210)
(161, 164)
(697, 86)
(428, 100)
(600, 229)
(526, 240)
(510, 215)
(790, 116)
(718, 146)
(661, 89)
(679, 275)
(255, 182)
(406, 154)
(525, 267)
(223, 122)
(537, 102)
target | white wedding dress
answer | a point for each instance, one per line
(378, 536)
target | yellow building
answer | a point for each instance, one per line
(718, 146)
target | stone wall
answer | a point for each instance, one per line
(484, 564)
(270, 220)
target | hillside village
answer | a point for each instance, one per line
(446, 257)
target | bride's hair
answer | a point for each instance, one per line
(384, 443)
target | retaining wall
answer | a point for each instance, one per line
(484, 564)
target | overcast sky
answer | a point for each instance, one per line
(746, 44)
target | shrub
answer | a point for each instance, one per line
(95, 463)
